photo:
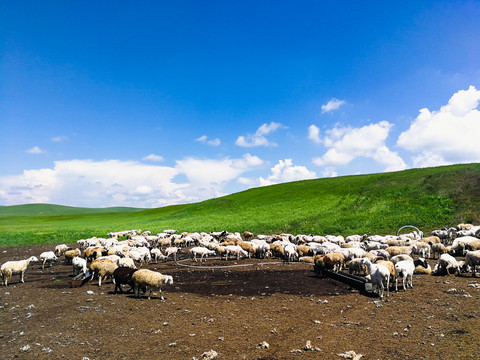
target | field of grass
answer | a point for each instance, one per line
(374, 204)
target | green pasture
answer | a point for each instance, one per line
(365, 204)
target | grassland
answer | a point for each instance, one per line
(376, 203)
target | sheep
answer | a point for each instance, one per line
(11, 268)
(149, 279)
(171, 250)
(79, 265)
(157, 254)
(389, 265)
(472, 259)
(398, 250)
(474, 245)
(91, 253)
(126, 262)
(235, 250)
(445, 263)
(61, 249)
(379, 275)
(400, 257)
(319, 265)
(123, 276)
(70, 254)
(336, 261)
(103, 268)
(356, 267)
(202, 251)
(48, 257)
(250, 248)
(307, 259)
(422, 267)
(290, 253)
(404, 269)
(422, 249)
(438, 249)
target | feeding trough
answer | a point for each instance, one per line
(354, 281)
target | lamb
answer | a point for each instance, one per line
(48, 257)
(79, 265)
(404, 269)
(92, 253)
(157, 254)
(11, 268)
(290, 253)
(202, 251)
(379, 275)
(446, 262)
(472, 259)
(149, 279)
(123, 276)
(103, 268)
(421, 248)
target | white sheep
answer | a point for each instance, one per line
(157, 254)
(202, 251)
(171, 250)
(61, 249)
(126, 262)
(290, 253)
(79, 265)
(404, 269)
(472, 259)
(150, 280)
(11, 268)
(235, 250)
(47, 257)
(445, 263)
(380, 276)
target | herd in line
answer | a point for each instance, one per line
(383, 259)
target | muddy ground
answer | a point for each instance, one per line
(232, 311)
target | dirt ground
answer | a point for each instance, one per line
(232, 311)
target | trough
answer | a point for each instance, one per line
(354, 281)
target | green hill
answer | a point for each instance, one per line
(374, 204)
(49, 209)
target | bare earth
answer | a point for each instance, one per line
(232, 311)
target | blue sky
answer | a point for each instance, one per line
(149, 104)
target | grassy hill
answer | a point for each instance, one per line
(375, 203)
(49, 209)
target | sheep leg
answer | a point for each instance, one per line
(21, 277)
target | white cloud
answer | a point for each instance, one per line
(447, 136)
(153, 157)
(314, 134)
(35, 150)
(59, 138)
(259, 139)
(332, 105)
(346, 143)
(329, 172)
(285, 171)
(204, 139)
(282, 172)
(124, 183)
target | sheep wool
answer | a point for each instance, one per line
(150, 280)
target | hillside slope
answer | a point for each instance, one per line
(376, 203)
(50, 209)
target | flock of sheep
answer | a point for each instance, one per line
(382, 259)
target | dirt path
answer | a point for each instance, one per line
(232, 311)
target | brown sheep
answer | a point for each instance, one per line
(431, 239)
(70, 254)
(304, 250)
(92, 253)
(103, 268)
(397, 250)
(335, 261)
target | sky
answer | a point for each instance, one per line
(154, 103)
